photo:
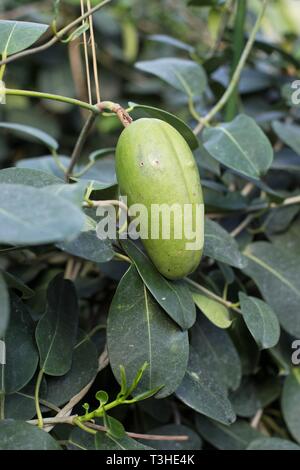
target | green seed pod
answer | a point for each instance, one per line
(156, 168)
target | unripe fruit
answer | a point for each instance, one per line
(155, 165)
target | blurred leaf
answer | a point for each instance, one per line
(15, 36)
(240, 145)
(276, 273)
(220, 245)
(261, 321)
(14, 283)
(290, 403)
(206, 3)
(164, 39)
(272, 443)
(213, 310)
(238, 436)
(57, 329)
(73, 193)
(21, 352)
(16, 435)
(173, 296)
(289, 134)
(29, 217)
(171, 119)
(184, 75)
(135, 319)
(32, 133)
(5, 308)
(88, 246)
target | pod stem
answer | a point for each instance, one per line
(116, 108)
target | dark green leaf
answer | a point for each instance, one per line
(138, 331)
(17, 435)
(213, 368)
(5, 309)
(14, 283)
(272, 443)
(276, 272)
(173, 296)
(261, 321)
(81, 440)
(290, 403)
(193, 443)
(21, 352)
(107, 442)
(240, 145)
(88, 246)
(235, 437)
(57, 329)
(220, 245)
(289, 134)
(83, 370)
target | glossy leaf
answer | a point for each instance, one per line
(240, 145)
(57, 329)
(138, 331)
(173, 296)
(261, 321)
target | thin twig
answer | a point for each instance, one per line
(93, 44)
(79, 144)
(55, 38)
(212, 295)
(236, 76)
(86, 58)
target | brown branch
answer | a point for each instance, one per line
(150, 437)
(122, 114)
